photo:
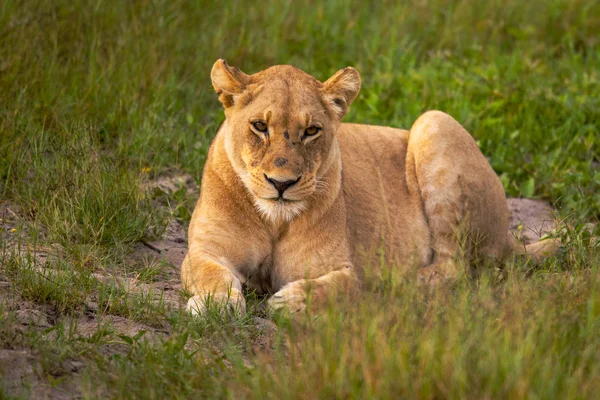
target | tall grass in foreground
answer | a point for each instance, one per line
(512, 341)
(518, 337)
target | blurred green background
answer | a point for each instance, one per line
(131, 80)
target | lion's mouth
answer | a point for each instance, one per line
(282, 200)
(280, 208)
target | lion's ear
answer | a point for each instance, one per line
(228, 82)
(341, 89)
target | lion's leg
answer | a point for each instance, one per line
(206, 279)
(295, 295)
(459, 191)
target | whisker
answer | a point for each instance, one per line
(322, 185)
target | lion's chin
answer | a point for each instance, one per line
(277, 210)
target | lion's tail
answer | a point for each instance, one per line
(537, 251)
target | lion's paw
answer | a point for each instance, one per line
(291, 297)
(197, 305)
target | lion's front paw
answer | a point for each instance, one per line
(197, 305)
(291, 297)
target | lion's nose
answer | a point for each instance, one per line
(282, 186)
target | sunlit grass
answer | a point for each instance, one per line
(96, 97)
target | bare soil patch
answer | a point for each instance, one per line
(530, 219)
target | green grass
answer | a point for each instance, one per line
(97, 97)
(64, 290)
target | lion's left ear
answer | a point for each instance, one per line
(341, 89)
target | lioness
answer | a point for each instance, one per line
(292, 200)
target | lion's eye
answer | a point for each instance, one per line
(312, 130)
(260, 126)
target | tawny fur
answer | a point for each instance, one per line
(364, 193)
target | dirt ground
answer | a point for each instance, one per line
(20, 367)
(530, 219)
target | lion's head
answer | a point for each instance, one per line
(280, 131)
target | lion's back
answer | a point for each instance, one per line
(380, 208)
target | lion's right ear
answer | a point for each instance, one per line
(228, 82)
